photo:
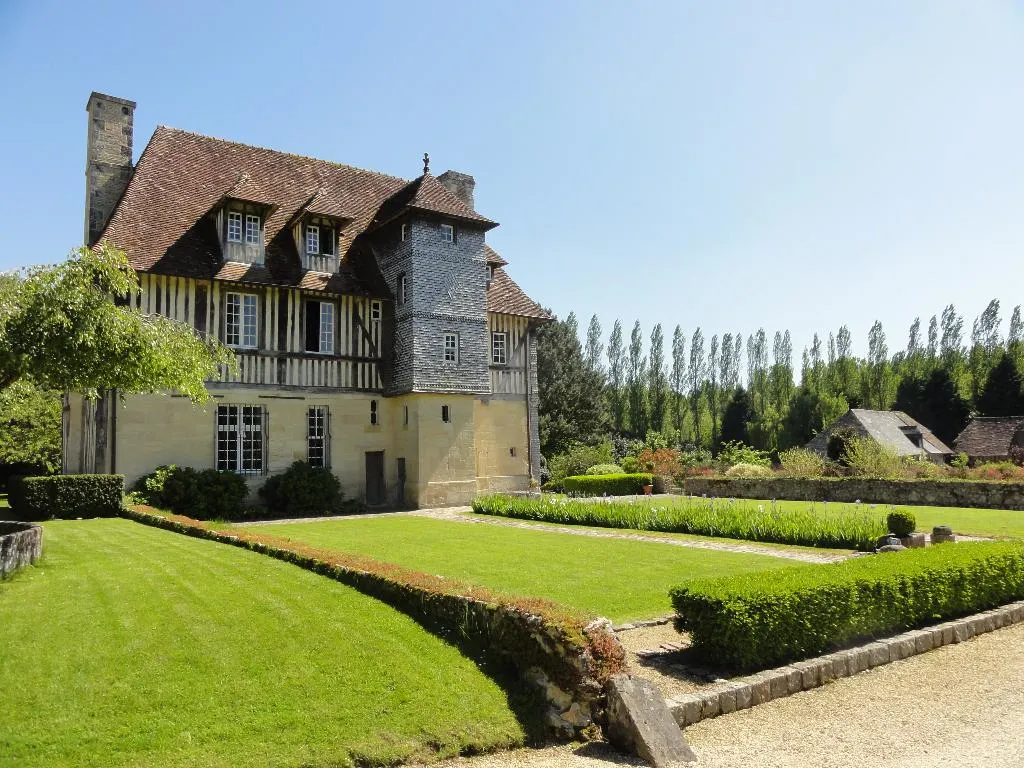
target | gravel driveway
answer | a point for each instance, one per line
(961, 705)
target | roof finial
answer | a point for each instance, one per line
(426, 163)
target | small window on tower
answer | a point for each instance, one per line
(405, 232)
(446, 414)
(451, 347)
(448, 233)
(373, 413)
(375, 310)
(403, 289)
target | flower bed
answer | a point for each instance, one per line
(568, 655)
(749, 622)
(729, 518)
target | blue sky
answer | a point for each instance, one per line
(729, 165)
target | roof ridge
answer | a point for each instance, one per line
(296, 155)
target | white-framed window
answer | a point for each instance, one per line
(240, 320)
(313, 239)
(374, 415)
(446, 414)
(499, 341)
(448, 233)
(317, 436)
(405, 231)
(253, 232)
(320, 327)
(403, 288)
(490, 272)
(234, 227)
(241, 439)
(374, 311)
(451, 347)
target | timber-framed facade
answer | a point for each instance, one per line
(377, 333)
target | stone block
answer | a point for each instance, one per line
(913, 541)
(688, 709)
(923, 641)
(727, 700)
(878, 654)
(743, 695)
(963, 630)
(640, 722)
(981, 624)
(947, 633)
(779, 683)
(857, 660)
(794, 679)
(760, 689)
(902, 647)
(709, 705)
(826, 674)
(809, 674)
(840, 664)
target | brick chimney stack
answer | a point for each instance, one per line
(108, 166)
(459, 184)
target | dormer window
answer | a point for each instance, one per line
(241, 224)
(313, 239)
(448, 233)
(320, 239)
(234, 227)
(253, 231)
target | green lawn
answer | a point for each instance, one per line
(976, 522)
(3, 500)
(617, 578)
(131, 646)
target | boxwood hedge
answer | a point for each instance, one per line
(66, 496)
(758, 621)
(607, 485)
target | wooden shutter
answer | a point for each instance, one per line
(266, 440)
(327, 437)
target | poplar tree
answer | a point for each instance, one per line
(635, 382)
(616, 375)
(678, 377)
(594, 346)
(695, 376)
(657, 381)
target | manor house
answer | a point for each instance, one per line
(377, 333)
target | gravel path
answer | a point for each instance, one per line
(458, 515)
(962, 706)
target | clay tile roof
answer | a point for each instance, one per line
(492, 257)
(428, 194)
(990, 437)
(323, 204)
(504, 296)
(247, 189)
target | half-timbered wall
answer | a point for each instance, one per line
(280, 358)
(510, 378)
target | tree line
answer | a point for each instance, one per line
(701, 392)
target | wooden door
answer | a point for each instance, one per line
(374, 478)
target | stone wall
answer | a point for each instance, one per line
(932, 493)
(21, 544)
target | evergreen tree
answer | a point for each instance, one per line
(657, 381)
(616, 376)
(736, 417)
(808, 413)
(570, 393)
(1003, 393)
(936, 402)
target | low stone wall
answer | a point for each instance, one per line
(778, 683)
(21, 544)
(933, 493)
(567, 658)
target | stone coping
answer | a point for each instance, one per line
(21, 544)
(778, 683)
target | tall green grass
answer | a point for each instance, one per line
(816, 525)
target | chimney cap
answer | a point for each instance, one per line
(96, 95)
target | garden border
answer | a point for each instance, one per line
(566, 656)
(778, 683)
(21, 544)
(929, 493)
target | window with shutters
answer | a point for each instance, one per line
(241, 439)
(320, 327)
(240, 320)
(317, 436)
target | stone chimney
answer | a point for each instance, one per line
(459, 184)
(108, 166)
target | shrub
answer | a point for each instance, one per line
(604, 469)
(631, 465)
(737, 453)
(66, 496)
(663, 461)
(870, 458)
(749, 470)
(852, 527)
(750, 622)
(799, 462)
(302, 490)
(838, 442)
(607, 485)
(576, 460)
(205, 494)
(901, 523)
(151, 487)
(959, 460)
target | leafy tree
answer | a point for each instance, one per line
(810, 411)
(985, 347)
(657, 381)
(933, 338)
(738, 413)
(61, 328)
(712, 387)
(1003, 393)
(636, 382)
(678, 378)
(29, 428)
(936, 402)
(594, 345)
(570, 393)
(695, 376)
(616, 375)
(876, 385)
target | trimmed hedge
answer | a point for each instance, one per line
(66, 496)
(607, 485)
(205, 494)
(302, 490)
(822, 527)
(544, 641)
(753, 622)
(901, 523)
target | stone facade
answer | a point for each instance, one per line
(108, 165)
(909, 492)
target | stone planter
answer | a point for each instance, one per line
(21, 544)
